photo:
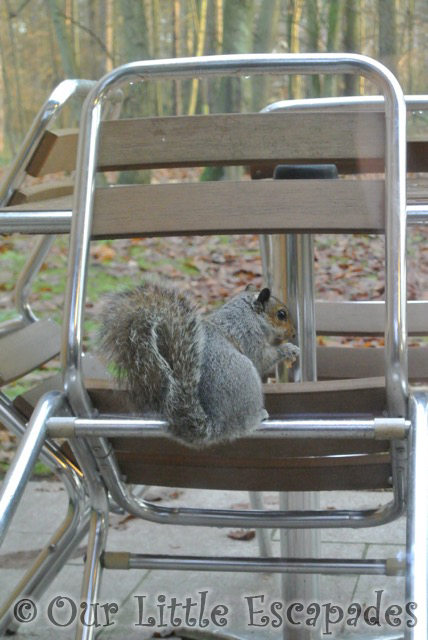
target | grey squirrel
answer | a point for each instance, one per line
(202, 373)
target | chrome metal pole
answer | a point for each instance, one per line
(14, 178)
(336, 428)
(53, 556)
(249, 565)
(28, 451)
(395, 339)
(122, 495)
(295, 285)
(417, 514)
(36, 222)
(46, 116)
(262, 535)
(346, 104)
(98, 530)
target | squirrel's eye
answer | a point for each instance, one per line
(282, 315)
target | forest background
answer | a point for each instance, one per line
(45, 41)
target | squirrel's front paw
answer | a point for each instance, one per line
(289, 353)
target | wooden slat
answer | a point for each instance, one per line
(366, 318)
(232, 207)
(92, 368)
(333, 397)
(48, 149)
(417, 161)
(260, 474)
(62, 203)
(239, 207)
(256, 463)
(228, 139)
(42, 191)
(27, 349)
(355, 362)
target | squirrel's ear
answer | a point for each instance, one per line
(250, 287)
(264, 296)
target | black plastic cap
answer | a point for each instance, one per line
(305, 171)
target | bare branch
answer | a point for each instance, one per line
(90, 32)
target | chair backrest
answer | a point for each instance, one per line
(354, 141)
(245, 206)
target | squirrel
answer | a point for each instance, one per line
(202, 373)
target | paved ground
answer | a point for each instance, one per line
(44, 506)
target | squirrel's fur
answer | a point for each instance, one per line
(201, 373)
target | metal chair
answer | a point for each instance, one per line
(368, 422)
(288, 270)
(27, 342)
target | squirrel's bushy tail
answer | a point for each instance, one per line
(154, 338)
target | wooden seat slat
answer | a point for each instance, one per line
(323, 474)
(255, 463)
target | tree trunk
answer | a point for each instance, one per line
(351, 42)
(237, 38)
(387, 34)
(9, 125)
(135, 46)
(219, 25)
(178, 93)
(330, 80)
(199, 52)
(17, 76)
(410, 43)
(314, 84)
(63, 39)
(294, 15)
(264, 37)
(156, 53)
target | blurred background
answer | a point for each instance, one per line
(45, 41)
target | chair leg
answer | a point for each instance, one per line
(300, 543)
(55, 554)
(417, 515)
(98, 529)
(28, 451)
(93, 571)
(24, 283)
(263, 539)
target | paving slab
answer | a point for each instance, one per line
(137, 593)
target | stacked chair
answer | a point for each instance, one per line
(345, 431)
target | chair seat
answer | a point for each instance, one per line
(256, 463)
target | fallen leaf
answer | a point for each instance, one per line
(242, 534)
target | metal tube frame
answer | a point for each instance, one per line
(395, 335)
(395, 339)
(15, 177)
(98, 530)
(288, 268)
(395, 171)
(125, 561)
(417, 514)
(68, 535)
